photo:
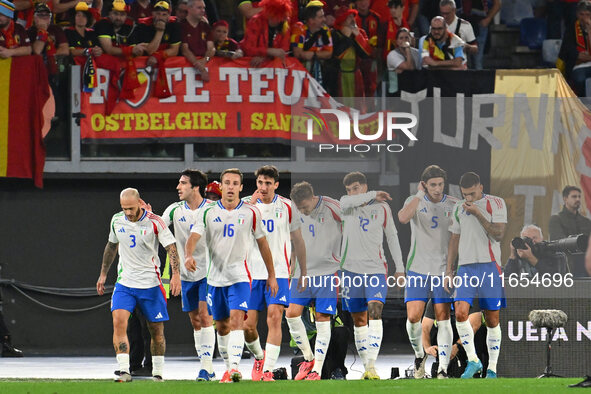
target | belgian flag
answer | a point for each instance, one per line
(24, 90)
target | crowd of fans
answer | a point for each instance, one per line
(347, 46)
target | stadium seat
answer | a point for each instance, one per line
(514, 11)
(550, 49)
(532, 32)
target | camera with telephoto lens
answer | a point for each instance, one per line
(569, 245)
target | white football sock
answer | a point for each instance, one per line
(374, 341)
(415, 336)
(299, 335)
(256, 349)
(197, 339)
(235, 347)
(493, 342)
(123, 361)
(467, 339)
(360, 334)
(223, 348)
(207, 346)
(157, 365)
(445, 337)
(271, 356)
(322, 342)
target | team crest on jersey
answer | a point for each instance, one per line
(278, 213)
(143, 232)
(240, 219)
(320, 218)
(373, 215)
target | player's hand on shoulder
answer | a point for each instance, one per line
(382, 196)
(145, 205)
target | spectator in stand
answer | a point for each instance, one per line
(268, 33)
(161, 33)
(331, 8)
(349, 46)
(225, 46)
(213, 191)
(460, 27)
(117, 34)
(181, 10)
(557, 12)
(410, 13)
(14, 40)
(480, 15)
(441, 49)
(196, 40)
(80, 35)
(64, 10)
(574, 59)
(140, 9)
(404, 56)
(395, 23)
(48, 40)
(369, 21)
(311, 40)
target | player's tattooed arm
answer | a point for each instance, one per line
(175, 281)
(174, 258)
(108, 257)
(495, 230)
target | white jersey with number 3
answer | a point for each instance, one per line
(229, 235)
(475, 244)
(279, 219)
(138, 248)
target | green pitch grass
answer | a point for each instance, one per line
(475, 386)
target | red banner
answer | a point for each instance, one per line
(237, 103)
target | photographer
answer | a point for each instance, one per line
(532, 262)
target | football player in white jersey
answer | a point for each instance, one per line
(230, 226)
(429, 214)
(282, 223)
(478, 225)
(321, 230)
(133, 233)
(366, 220)
(181, 214)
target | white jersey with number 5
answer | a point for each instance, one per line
(430, 235)
(183, 218)
(138, 248)
(475, 244)
(229, 235)
(279, 219)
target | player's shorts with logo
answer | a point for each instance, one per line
(482, 281)
(152, 301)
(421, 287)
(192, 293)
(260, 297)
(360, 289)
(220, 300)
(318, 290)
